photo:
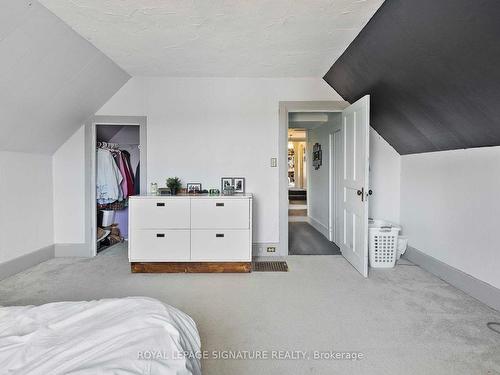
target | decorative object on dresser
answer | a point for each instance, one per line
(231, 185)
(317, 156)
(193, 188)
(228, 190)
(154, 188)
(213, 191)
(164, 191)
(226, 182)
(239, 184)
(190, 233)
(174, 184)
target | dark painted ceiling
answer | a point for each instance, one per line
(432, 68)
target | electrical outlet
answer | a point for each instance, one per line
(271, 249)
(274, 162)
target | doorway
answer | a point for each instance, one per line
(116, 151)
(117, 179)
(309, 231)
(345, 148)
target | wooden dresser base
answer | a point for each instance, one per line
(190, 267)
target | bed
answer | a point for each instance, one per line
(133, 335)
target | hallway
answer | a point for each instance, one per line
(303, 239)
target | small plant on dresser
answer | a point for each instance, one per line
(174, 184)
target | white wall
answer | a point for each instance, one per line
(450, 208)
(69, 190)
(385, 179)
(26, 211)
(319, 179)
(202, 129)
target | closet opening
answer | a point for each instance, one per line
(117, 177)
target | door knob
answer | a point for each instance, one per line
(361, 193)
(370, 192)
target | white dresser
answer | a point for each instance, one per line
(190, 233)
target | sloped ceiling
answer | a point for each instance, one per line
(237, 38)
(51, 79)
(433, 71)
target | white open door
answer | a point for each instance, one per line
(353, 207)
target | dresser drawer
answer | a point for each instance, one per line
(220, 213)
(220, 245)
(160, 213)
(159, 245)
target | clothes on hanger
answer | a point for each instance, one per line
(115, 179)
(121, 166)
(137, 181)
(108, 178)
(129, 175)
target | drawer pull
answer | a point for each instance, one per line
(161, 235)
(219, 205)
(219, 235)
(160, 204)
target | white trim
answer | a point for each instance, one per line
(337, 155)
(484, 292)
(319, 226)
(71, 250)
(331, 188)
(284, 109)
(309, 169)
(19, 264)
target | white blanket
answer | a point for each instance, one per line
(132, 335)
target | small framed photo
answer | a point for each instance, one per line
(226, 182)
(193, 188)
(317, 156)
(239, 184)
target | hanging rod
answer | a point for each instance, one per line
(113, 146)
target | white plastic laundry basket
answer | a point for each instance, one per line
(382, 243)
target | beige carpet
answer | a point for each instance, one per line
(404, 320)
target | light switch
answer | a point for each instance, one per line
(274, 162)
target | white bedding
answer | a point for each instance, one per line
(132, 335)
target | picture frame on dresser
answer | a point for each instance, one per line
(226, 182)
(193, 188)
(239, 184)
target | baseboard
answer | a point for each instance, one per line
(298, 219)
(72, 250)
(320, 227)
(16, 265)
(259, 249)
(476, 288)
